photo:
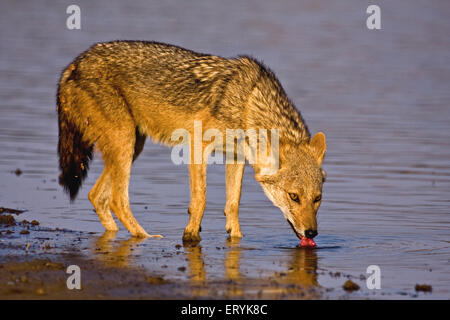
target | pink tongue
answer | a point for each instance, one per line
(307, 242)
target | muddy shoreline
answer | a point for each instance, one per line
(35, 260)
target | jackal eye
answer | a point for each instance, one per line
(318, 198)
(294, 197)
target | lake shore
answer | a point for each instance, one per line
(35, 262)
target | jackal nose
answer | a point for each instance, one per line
(310, 233)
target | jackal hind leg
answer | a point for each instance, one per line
(100, 196)
(118, 159)
(234, 174)
(197, 179)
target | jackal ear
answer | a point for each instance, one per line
(318, 146)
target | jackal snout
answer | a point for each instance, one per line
(311, 233)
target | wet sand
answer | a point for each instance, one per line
(35, 262)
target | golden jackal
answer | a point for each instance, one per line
(117, 93)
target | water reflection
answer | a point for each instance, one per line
(197, 272)
(303, 268)
(115, 253)
(231, 264)
(300, 273)
(298, 277)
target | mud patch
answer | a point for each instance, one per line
(7, 220)
(36, 261)
(9, 210)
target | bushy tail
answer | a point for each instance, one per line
(74, 154)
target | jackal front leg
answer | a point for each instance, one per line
(197, 173)
(234, 174)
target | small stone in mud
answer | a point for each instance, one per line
(182, 269)
(40, 291)
(35, 223)
(7, 220)
(178, 246)
(349, 285)
(18, 172)
(155, 280)
(424, 287)
(24, 232)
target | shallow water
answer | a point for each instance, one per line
(381, 97)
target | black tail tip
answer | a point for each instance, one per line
(71, 185)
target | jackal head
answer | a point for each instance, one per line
(296, 187)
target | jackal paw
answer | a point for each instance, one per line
(234, 232)
(158, 236)
(237, 234)
(190, 236)
(143, 234)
